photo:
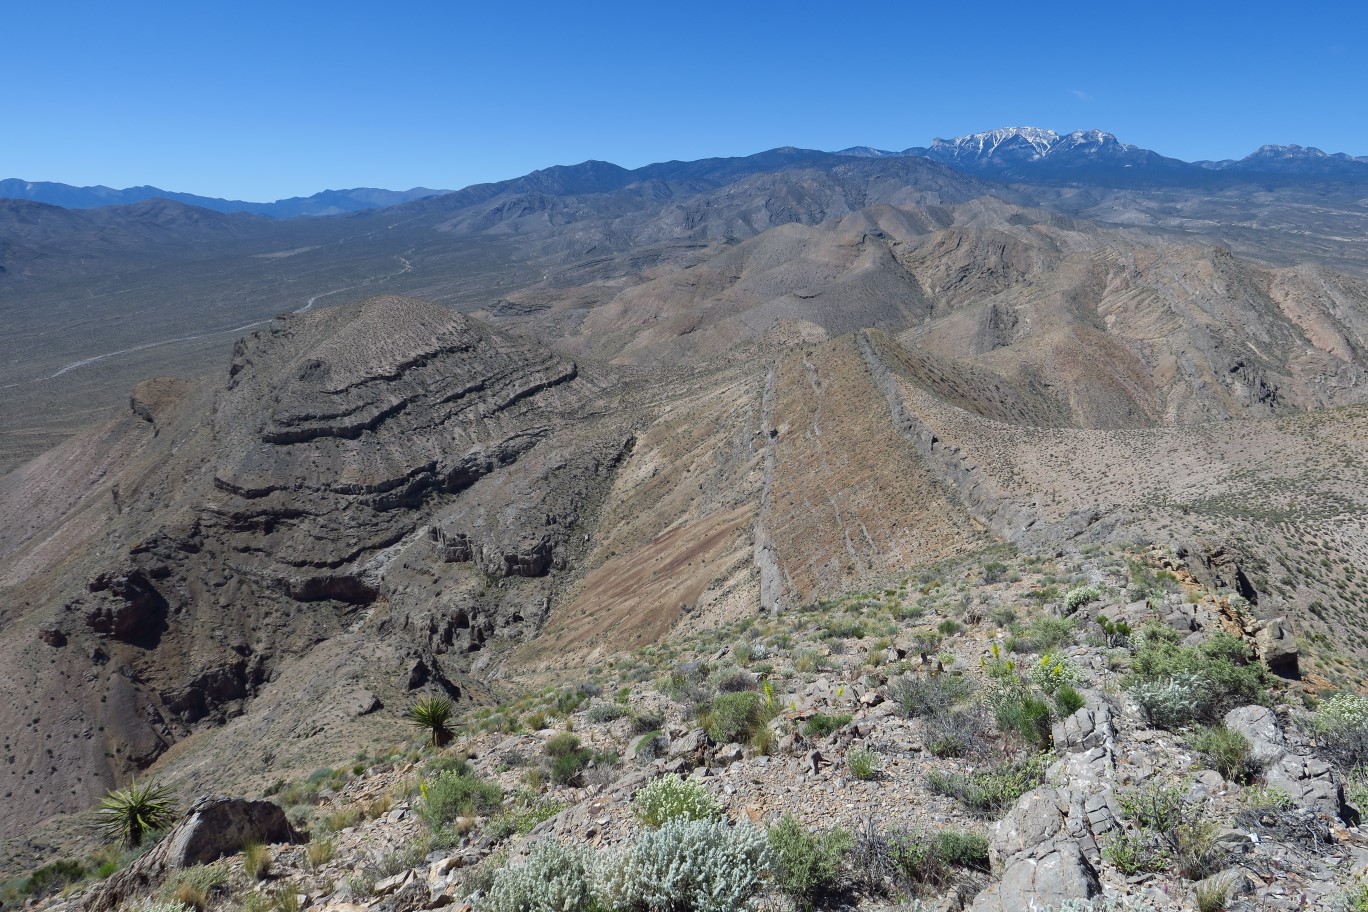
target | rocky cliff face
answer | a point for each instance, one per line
(387, 464)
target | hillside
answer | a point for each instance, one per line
(967, 737)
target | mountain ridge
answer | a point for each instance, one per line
(322, 203)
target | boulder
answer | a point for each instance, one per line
(1260, 727)
(214, 827)
(1028, 882)
(1277, 647)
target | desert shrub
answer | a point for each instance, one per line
(1271, 798)
(1068, 701)
(1340, 726)
(1042, 634)
(523, 814)
(734, 680)
(672, 798)
(1114, 633)
(1213, 895)
(162, 905)
(567, 760)
(907, 861)
(1053, 672)
(1003, 616)
(1079, 596)
(806, 864)
(256, 861)
(990, 792)
(1208, 678)
(844, 629)
(924, 695)
(53, 877)
(864, 764)
(687, 866)
(450, 795)
(734, 717)
(1173, 701)
(130, 815)
(962, 849)
(958, 733)
(645, 721)
(606, 712)
(193, 886)
(821, 725)
(319, 852)
(1354, 899)
(555, 878)
(433, 715)
(1021, 713)
(1169, 834)
(1227, 751)
(949, 627)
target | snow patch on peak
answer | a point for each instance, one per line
(988, 142)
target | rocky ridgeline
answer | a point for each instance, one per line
(1100, 800)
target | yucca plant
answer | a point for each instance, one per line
(128, 815)
(433, 715)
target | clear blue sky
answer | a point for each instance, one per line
(256, 101)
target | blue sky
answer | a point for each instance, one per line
(257, 101)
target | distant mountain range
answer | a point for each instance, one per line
(326, 202)
(1034, 154)
(1026, 154)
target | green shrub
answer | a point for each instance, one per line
(735, 717)
(925, 695)
(53, 877)
(1053, 672)
(1227, 751)
(129, 815)
(1042, 634)
(1177, 684)
(992, 792)
(555, 878)
(822, 725)
(1341, 729)
(1078, 597)
(962, 849)
(606, 712)
(256, 861)
(687, 866)
(1068, 701)
(568, 759)
(645, 721)
(450, 795)
(805, 864)
(1170, 834)
(864, 764)
(1213, 895)
(672, 798)
(433, 715)
(1025, 715)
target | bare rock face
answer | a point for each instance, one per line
(1277, 647)
(1219, 566)
(214, 827)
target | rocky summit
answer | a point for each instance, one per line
(974, 527)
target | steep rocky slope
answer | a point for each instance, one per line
(884, 723)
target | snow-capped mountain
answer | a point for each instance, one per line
(1293, 159)
(1032, 154)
